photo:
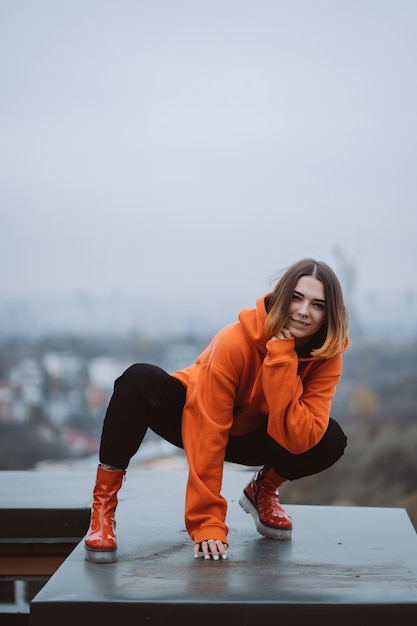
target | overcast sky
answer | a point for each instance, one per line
(192, 146)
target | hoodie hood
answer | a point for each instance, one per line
(253, 322)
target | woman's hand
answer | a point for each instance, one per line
(211, 549)
(283, 334)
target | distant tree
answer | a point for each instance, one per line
(364, 402)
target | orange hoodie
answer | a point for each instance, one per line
(238, 380)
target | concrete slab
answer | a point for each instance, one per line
(44, 506)
(342, 564)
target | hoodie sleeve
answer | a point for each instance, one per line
(299, 406)
(207, 419)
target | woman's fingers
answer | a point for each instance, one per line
(211, 549)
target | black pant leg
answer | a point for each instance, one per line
(144, 396)
(258, 448)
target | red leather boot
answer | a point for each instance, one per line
(100, 540)
(260, 498)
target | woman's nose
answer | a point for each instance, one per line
(303, 308)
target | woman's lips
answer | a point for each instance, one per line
(299, 323)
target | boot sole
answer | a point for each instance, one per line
(100, 556)
(279, 534)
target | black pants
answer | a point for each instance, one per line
(145, 396)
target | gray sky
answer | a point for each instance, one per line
(201, 146)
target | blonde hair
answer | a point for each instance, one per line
(335, 327)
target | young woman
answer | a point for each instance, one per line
(259, 395)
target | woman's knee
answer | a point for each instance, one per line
(147, 386)
(337, 436)
(135, 375)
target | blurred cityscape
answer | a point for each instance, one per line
(54, 391)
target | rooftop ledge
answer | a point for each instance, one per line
(342, 563)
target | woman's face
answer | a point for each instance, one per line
(307, 312)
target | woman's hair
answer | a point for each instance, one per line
(336, 322)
